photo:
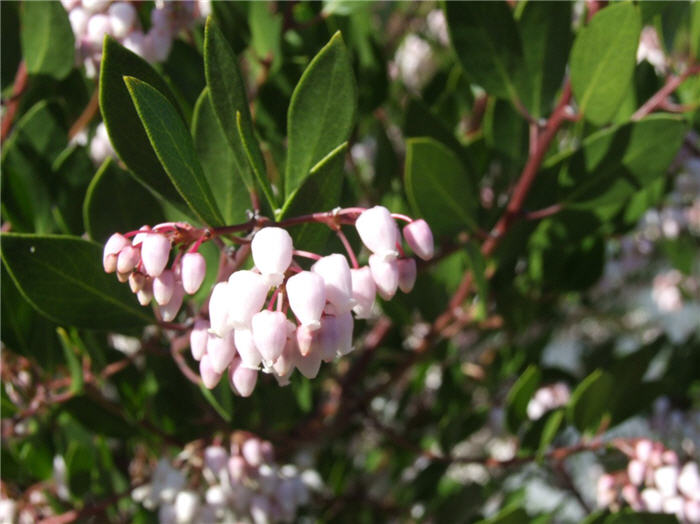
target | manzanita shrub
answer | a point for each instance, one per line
(482, 216)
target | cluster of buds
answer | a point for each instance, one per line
(654, 481)
(547, 398)
(91, 20)
(143, 262)
(242, 484)
(244, 336)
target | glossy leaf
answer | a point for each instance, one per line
(590, 401)
(478, 268)
(519, 396)
(249, 146)
(124, 126)
(602, 61)
(48, 45)
(320, 192)
(438, 187)
(218, 162)
(488, 45)
(321, 112)
(62, 277)
(173, 144)
(545, 28)
(115, 202)
(74, 364)
(228, 95)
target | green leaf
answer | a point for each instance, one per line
(115, 202)
(488, 46)
(80, 463)
(249, 146)
(506, 131)
(48, 45)
(320, 191)
(228, 95)
(74, 364)
(173, 144)
(545, 28)
(321, 111)
(437, 186)
(209, 395)
(613, 164)
(266, 33)
(478, 268)
(62, 277)
(590, 401)
(695, 30)
(218, 162)
(519, 396)
(602, 60)
(126, 132)
(550, 430)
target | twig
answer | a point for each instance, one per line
(658, 99)
(86, 116)
(17, 89)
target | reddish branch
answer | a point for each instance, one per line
(12, 106)
(86, 116)
(658, 100)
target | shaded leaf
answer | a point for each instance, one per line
(519, 396)
(438, 187)
(173, 145)
(590, 401)
(48, 45)
(62, 277)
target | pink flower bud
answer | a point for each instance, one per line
(287, 359)
(163, 287)
(335, 271)
(123, 277)
(643, 449)
(218, 309)
(272, 253)
(221, 351)
(128, 259)
(252, 452)
(652, 500)
(261, 510)
(268, 451)
(158, 44)
(145, 230)
(145, 294)
(674, 505)
(98, 26)
(310, 364)
(136, 43)
(248, 291)
(669, 457)
(215, 458)
(199, 336)
(122, 16)
(169, 311)
(419, 238)
(210, 378)
(666, 480)
(78, 21)
(305, 337)
(306, 292)
(407, 274)
(636, 471)
(378, 231)
(193, 270)
(386, 276)
(343, 325)
(245, 345)
(689, 481)
(155, 250)
(631, 496)
(236, 468)
(186, 506)
(691, 511)
(242, 379)
(136, 281)
(270, 330)
(364, 291)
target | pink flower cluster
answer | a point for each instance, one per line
(242, 484)
(243, 336)
(143, 261)
(547, 398)
(654, 481)
(91, 20)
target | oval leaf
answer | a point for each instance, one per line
(126, 132)
(437, 186)
(62, 278)
(48, 45)
(321, 112)
(173, 144)
(602, 61)
(590, 401)
(519, 396)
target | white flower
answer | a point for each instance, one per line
(272, 253)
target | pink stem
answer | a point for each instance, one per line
(399, 216)
(271, 303)
(348, 248)
(307, 254)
